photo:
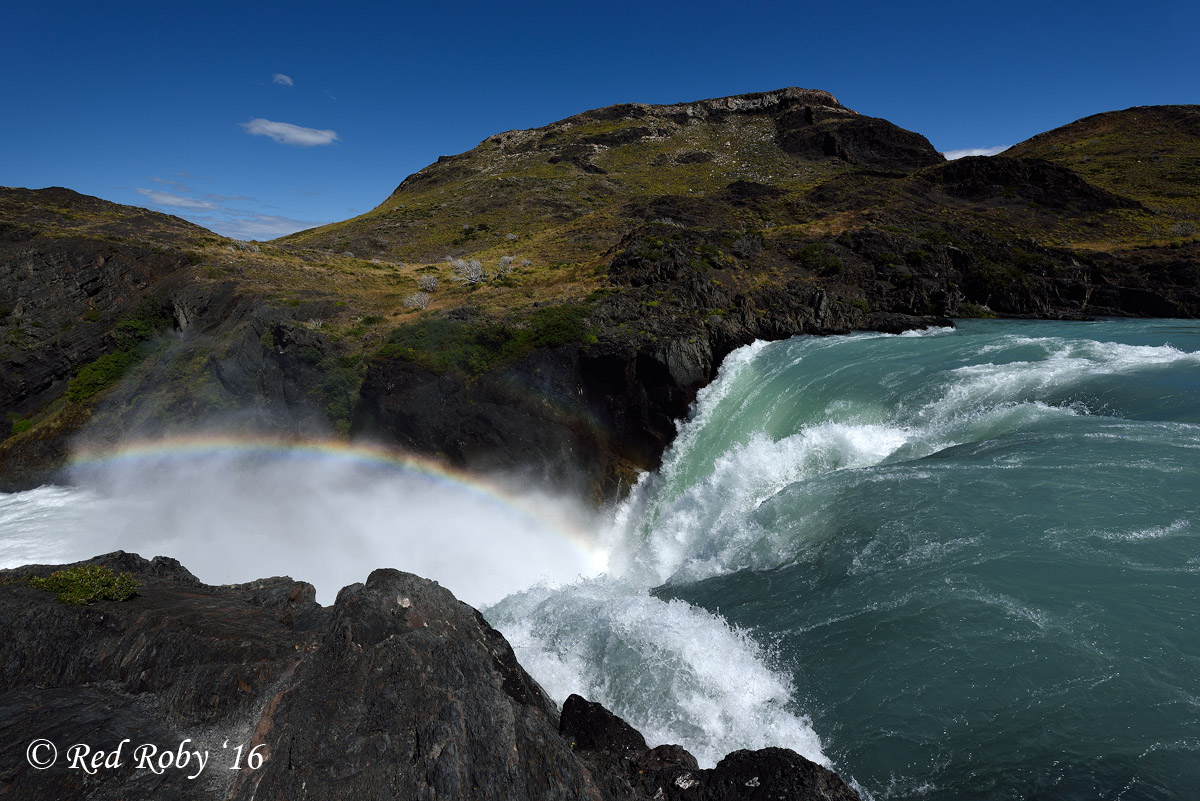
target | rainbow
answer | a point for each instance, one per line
(194, 447)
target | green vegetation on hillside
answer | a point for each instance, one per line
(476, 346)
(130, 337)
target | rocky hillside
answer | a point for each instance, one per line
(552, 300)
(397, 691)
(563, 193)
(121, 320)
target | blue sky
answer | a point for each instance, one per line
(257, 119)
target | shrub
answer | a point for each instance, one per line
(817, 259)
(550, 326)
(100, 374)
(20, 424)
(469, 273)
(443, 344)
(88, 583)
(427, 283)
(417, 300)
(748, 245)
(1185, 228)
(975, 310)
(986, 279)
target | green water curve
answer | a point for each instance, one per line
(975, 553)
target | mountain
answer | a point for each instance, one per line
(1148, 153)
(569, 190)
(551, 301)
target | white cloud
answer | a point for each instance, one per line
(288, 134)
(281, 79)
(255, 226)
(178, 186)
(236, 216)
(175, 201)
(975, 151)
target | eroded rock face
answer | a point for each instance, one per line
(62, 298)
(396, 691)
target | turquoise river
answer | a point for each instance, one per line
(958, 565)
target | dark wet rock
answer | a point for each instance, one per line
(667, 756)
(890, 323)
(771, 773)
(618, 753)
(396, 691)
(588, 726)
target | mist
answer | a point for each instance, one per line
(322, 517)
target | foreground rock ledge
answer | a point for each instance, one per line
(397, 691)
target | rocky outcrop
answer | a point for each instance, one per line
(809, 124)
(396, 691)
(1023, 181)
(214, 351)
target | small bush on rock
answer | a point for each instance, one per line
(83, 585)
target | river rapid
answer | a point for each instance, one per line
(960, 564)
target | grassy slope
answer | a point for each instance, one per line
(505, 198)
(1148, 153)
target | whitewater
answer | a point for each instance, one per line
(954, 564)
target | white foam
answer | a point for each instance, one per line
(706, 531)
(669, 530)
(1067, 363)
(1149, 533)
(677, 673)
(42, 525)
(932, 331)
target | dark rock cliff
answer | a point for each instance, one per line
(594, 415)
(397, 691)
